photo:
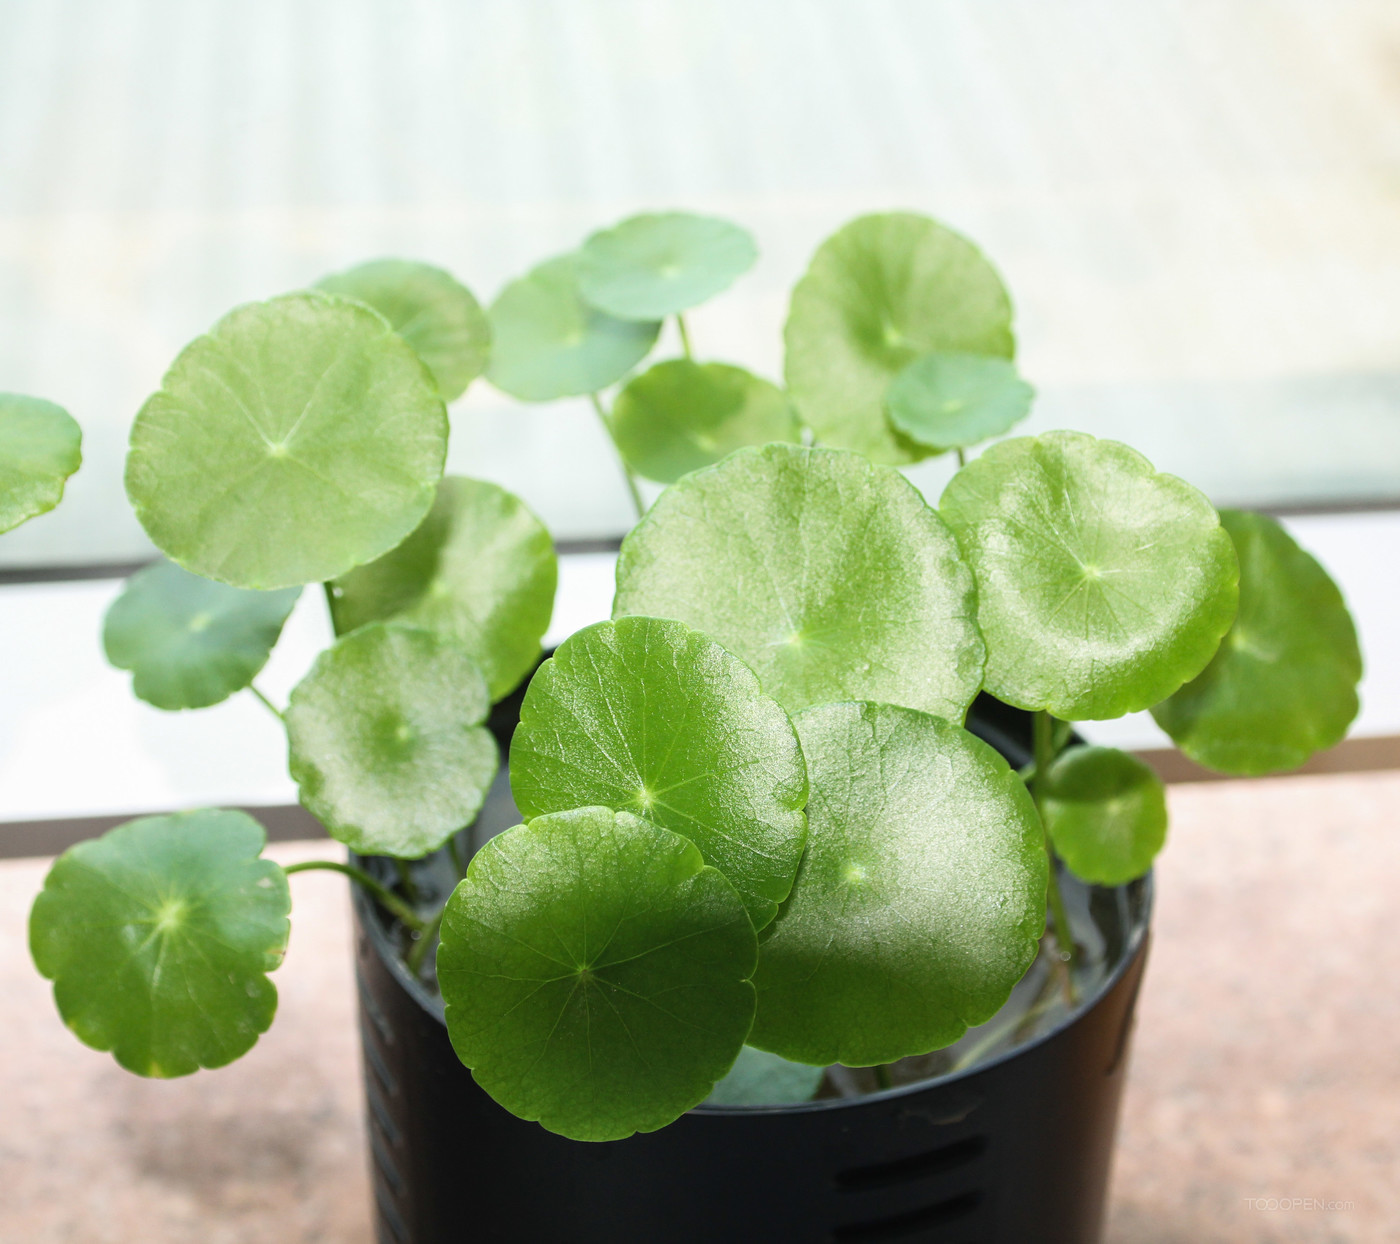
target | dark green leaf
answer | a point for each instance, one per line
(879, 293)
(950, 401)
(188, 641)
(1283, 683)
(681, 416)
(921, 898)
(1106, 813)
(430, 310)
(302, 437)
(158, 937)
(40, 447)
(480, 568)
(386, 742)
(549, 343)
(829, 576)
(595, 973)
(759, 1078)
(1102, 585)
(650, 717)
(652, 266)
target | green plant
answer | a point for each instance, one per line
(757, 837)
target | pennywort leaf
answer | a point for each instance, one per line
(428, 308)
(301, 437)
(759, 1078)
(950, 401)
(596, 973)
(828, 575)
(190, 642)
(920, 900)
(650, 717)
(158, 937)
(1102, 584)
(1283, 683)
(880, 292)
(480, 568)
(386, 741)
(1106, 813)
(40, 447)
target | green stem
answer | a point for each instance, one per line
(685, 336)
(387, 898)
(271, 707)
(330, 606)
(962, 457)
(882, 1076)
(406, 880)
(631, 479)
(426, 939)
(455, 850)
(1044, 758)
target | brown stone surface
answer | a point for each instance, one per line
(1266, 1064)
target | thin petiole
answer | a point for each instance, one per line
(962, 457)
(387, 898)
(1044, 727)
(271, 707)
(882, 1076)
(631, 479)
(685, 336)
(426, 940)
(455, 850)
(330, 605)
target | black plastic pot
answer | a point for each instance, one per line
(1014, 1151)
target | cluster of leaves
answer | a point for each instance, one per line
(756, 834)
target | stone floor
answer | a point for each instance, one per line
(1265, 1066)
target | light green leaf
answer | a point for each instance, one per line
(951, 401)
(1283, 683)
(158, 937)
(681, 416)
(921, 898)
(428, 308)
(190, 642)
(549, 343)
(595, 973)
(40, 447)
(759, 1078)
(301, 437)
(649, 717)
(481, 568)
(879, 293)
(652, 266)
(829, 576)
(1106, 813)
(386, 742)
(1102, 585)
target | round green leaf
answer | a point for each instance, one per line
(830, 576)
(190, 642)
(549, 343)
(385, 740)
(1106, 813)
(158, 937)
(652, 266)
(649, 717)
(481, 568)
(681, 416)
(301, 437)
(428, 308)
(1102, 585)
(595, 973)
(1283, 683)
(879, 293)
(759, 1078)
(950, 401)
(921, 898)
(40, 447)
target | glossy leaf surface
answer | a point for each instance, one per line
(1102, 585)
(951, 401)
(681, 416)
(1283, 683)
(879, 293)
(650, 717)
(428, 308)
(829, 576)
(921, 898)
(158, 937)
(656, 265)
(40, 447)
(386, 741)
(1106, 813)
(595, 973)
(481, 568)
(548, 343)
(759, 1078)
(301, 437)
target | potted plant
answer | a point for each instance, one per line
(816, 910)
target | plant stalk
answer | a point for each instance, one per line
(685, 335)
(1044, 757)
(419, 950)
(962, 457)
(271, 707)
(330, 606)
(631, 479)
(387, 898)
(882, 1076)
